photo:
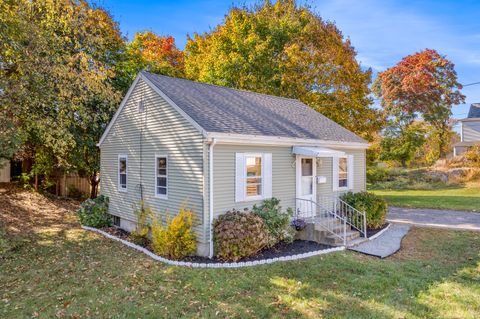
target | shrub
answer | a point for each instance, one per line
(276, 221)
(374, 206)
(377, 174)
(74, 192)
(140, 234)
(238, 235)
(176, 240)
(473, 156)
(93, 212)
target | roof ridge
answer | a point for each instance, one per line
(225, 87)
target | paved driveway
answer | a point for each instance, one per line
(424, 217)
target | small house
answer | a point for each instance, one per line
(175, 142)
(469, 130)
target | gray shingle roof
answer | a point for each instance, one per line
(474, 111)
(224, 110)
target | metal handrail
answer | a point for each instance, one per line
(323, 217)
(355, 218)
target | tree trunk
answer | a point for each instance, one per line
(94, 181)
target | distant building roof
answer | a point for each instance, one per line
(225, 110)
(474, 111)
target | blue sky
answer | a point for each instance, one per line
(381, 31)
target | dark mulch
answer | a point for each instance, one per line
(117, 232)
(279, 250)
(373, 231)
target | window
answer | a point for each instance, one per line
(161, 176)
(253, 176)
(122, 173)
(342, 172)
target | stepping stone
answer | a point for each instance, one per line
(386, 244)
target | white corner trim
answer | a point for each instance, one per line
(380, 232)
(119, 110)
(175, 106)
(215, 265)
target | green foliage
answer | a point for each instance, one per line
(176, 240)
(276, 221)
(377, 174)
(238, 235)
(401, 142)
(393, 178)
(57, 68)
(286, 50)
(374, 206)
(94, 212)
(140, 234)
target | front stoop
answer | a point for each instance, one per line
(315, 232)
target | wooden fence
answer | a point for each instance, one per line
(72, 183)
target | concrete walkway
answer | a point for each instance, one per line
(386, 244)
(423, 217)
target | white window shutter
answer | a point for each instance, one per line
(350, 172)
(335, 163)
(267, 175)
(239, 177)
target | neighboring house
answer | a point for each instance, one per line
(469, 130)
(4, 171)
(175, 142)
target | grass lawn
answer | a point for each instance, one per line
(57, 269)
(456, 198)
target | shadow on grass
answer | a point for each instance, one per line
(64, 271)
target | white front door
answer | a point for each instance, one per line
(306, 186)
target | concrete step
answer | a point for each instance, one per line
(334, 227)
(334, 240)
(356, 241)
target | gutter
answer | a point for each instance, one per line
(210, 182)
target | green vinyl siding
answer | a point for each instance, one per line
(283, 175)
(164, 132)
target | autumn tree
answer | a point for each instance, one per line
(153, 52)
(57, 66)
(423, 84)
(286, 50)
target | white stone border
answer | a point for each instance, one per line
(380, 232)
(214, 265)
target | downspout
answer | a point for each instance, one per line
(210, 182)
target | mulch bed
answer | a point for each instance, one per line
(372, 231)
(279, 250)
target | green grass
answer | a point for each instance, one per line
(58, 269)
(456, 198)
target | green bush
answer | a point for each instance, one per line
(177, 239)
(238, 235)
(94, 212)
(377, 174)
(276, 221)
(374, 206)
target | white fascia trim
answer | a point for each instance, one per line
(231, 138)
(119, 110)
(175, 106)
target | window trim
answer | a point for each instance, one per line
(119, 188)
(162, 196)
(343, 188)
(262, 176)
